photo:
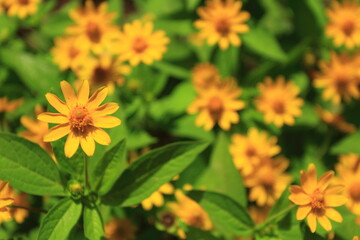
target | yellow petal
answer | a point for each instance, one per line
(334, 200)
(334, 189)
(6, 202)
(311, 221)
(101, 137)
(83, 94)
(324, 222)
(57, 132)
(298, 196)
(106, 109)
(71, 145)
(146, 204)
(88, 145)
(325, 180)
(97, 98)
(106, 122)
(29, 124)
(302, 212)
(59, 105)
(157, 199)
(167, 188)
(69, 94)
(333, 215)
(52, 117)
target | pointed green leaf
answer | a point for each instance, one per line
(349, 144)
(93, 224)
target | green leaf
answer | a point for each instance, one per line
(172, 70)
(93, 224)
(309, 117)
(59, 221)
(349, 144)
(282, 203)
(151, 171)
(109, 168)
(197, 234)
(264, 44)
(318, 9)
(225, 213)
(28, 167)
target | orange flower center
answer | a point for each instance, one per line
(279, 107)
(250, 152)
(215, 107)
(73, 52)
(168, 219)
(23, 2)
(101, 75)
(342, 83)
(317, 200)
(196, 220)
(354, 191)
(80, 120)
(139, 45)
(93, 32)
(222, 26)
(348, 27)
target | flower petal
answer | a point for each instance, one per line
(298, 196)
(106, 109)
(311, 221)
(157, 199)
(84, 91)
(71, 145)
(101, 137)
(325, 180)
(97, 98)
(324, 222)
(147, 204)
(6, 202)
(334, 200)
(333, 215)
(335, 189)
(302, 212)
(88, 145)
(57, 132)
(308, 179)
(106, 122)
(68, 93)
(58, 104)
(29, 123)
(52, 117)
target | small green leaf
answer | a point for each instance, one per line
(151, 171)
(172, 70)
(349, 144)
(109, 168)
(224, 212)
(197, 234)
(28, 167)
(59, 221)
(282, 203)
(93, 224)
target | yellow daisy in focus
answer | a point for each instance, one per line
(249, 151)
(81, 118)
(221, 22)
(267, 183)
(348, 170)
(6, 199)
(120, 229)
(140, 43)
(316, 199)
(21, 8)
(279, 101)
(9, 106)
(190, 212)
(339, 78)
(157, 199)
(336, 120)
(344, 23)
(205, 75)
(217, 104)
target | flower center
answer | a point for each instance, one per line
(215, 107)
(93, 32)
(279, 107)
(250, 152)
(342, 84)
(23, 2)
(101, 75)
(317, 200)
(348, 27)
(354, 191)
(80, 120)
(222, 27)
(73, 52)
(167, 219)
(196, 220)
(139, 45)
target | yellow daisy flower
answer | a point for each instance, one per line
(217, 104)
(81, 118)
(9, 106)
(93, 29)
(221, 22)
(339, 78)
(348, 170)
(344, 23)
(157, 199)
(205, 75)
(249, 151)
(190, 212)
(140, 43)
(120, 229)
(21, 8)
(6, 199)
(279, 101)
(267, 183)
(336, 120)
(316, 199)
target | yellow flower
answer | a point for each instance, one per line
(81, 118)
(339, 78)
(355, 238)
(140, 43)
(249, 151)
(69, 54)
(93, 29)
(120, 229)
(336, 120)
(104, 71)
(157, 199)
(204, 75)
(21, 8)
(258, 214)
(217, 104)
(9, 106)
(221, 22)
(5, 200)
(316, 199)
(279, 101)
(348, 170)
(190, 212)
(267, 183)
(19, 214)
(344, 23)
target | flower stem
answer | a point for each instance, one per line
(37, 210)
(86, 159)
(274, 217)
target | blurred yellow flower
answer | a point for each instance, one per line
(249, 151)
(268, 181)
(344, 23)
(120, 229)
(9, 106)
(217, 104)
(19, 214)
(221, 22)
(156, 198)
(93, 29)
(140, 43)
(6, 199)
(336, 120)
(205, 75)
(258, 214)
(339, 78)
(279, 101)
(21, 8)
(81, 118)
(316, 199)
(348, 170)
(189, 211)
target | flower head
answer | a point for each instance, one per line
(217, 104)
(205, 75)
(344, 23)
(6, 199)
(140, 43)
(221, 22)
(279, 101)
(316, 199)
(120, 229)
(157, 199)
(21, 8)
(9, 106)
(336, 120)
(81, 118)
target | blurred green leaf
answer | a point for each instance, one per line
(185, 127)
(318, 9)
(172, 70)
(93, 224)
(309, 117)
(349, 144)
(192, 4)
(197, 234)
(182, 27)
(302, 81)
(117, 7)
(138, 138)
(161, 8)
(7, 27)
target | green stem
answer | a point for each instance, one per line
(274, 217)
(37, 210)
(86, 159)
